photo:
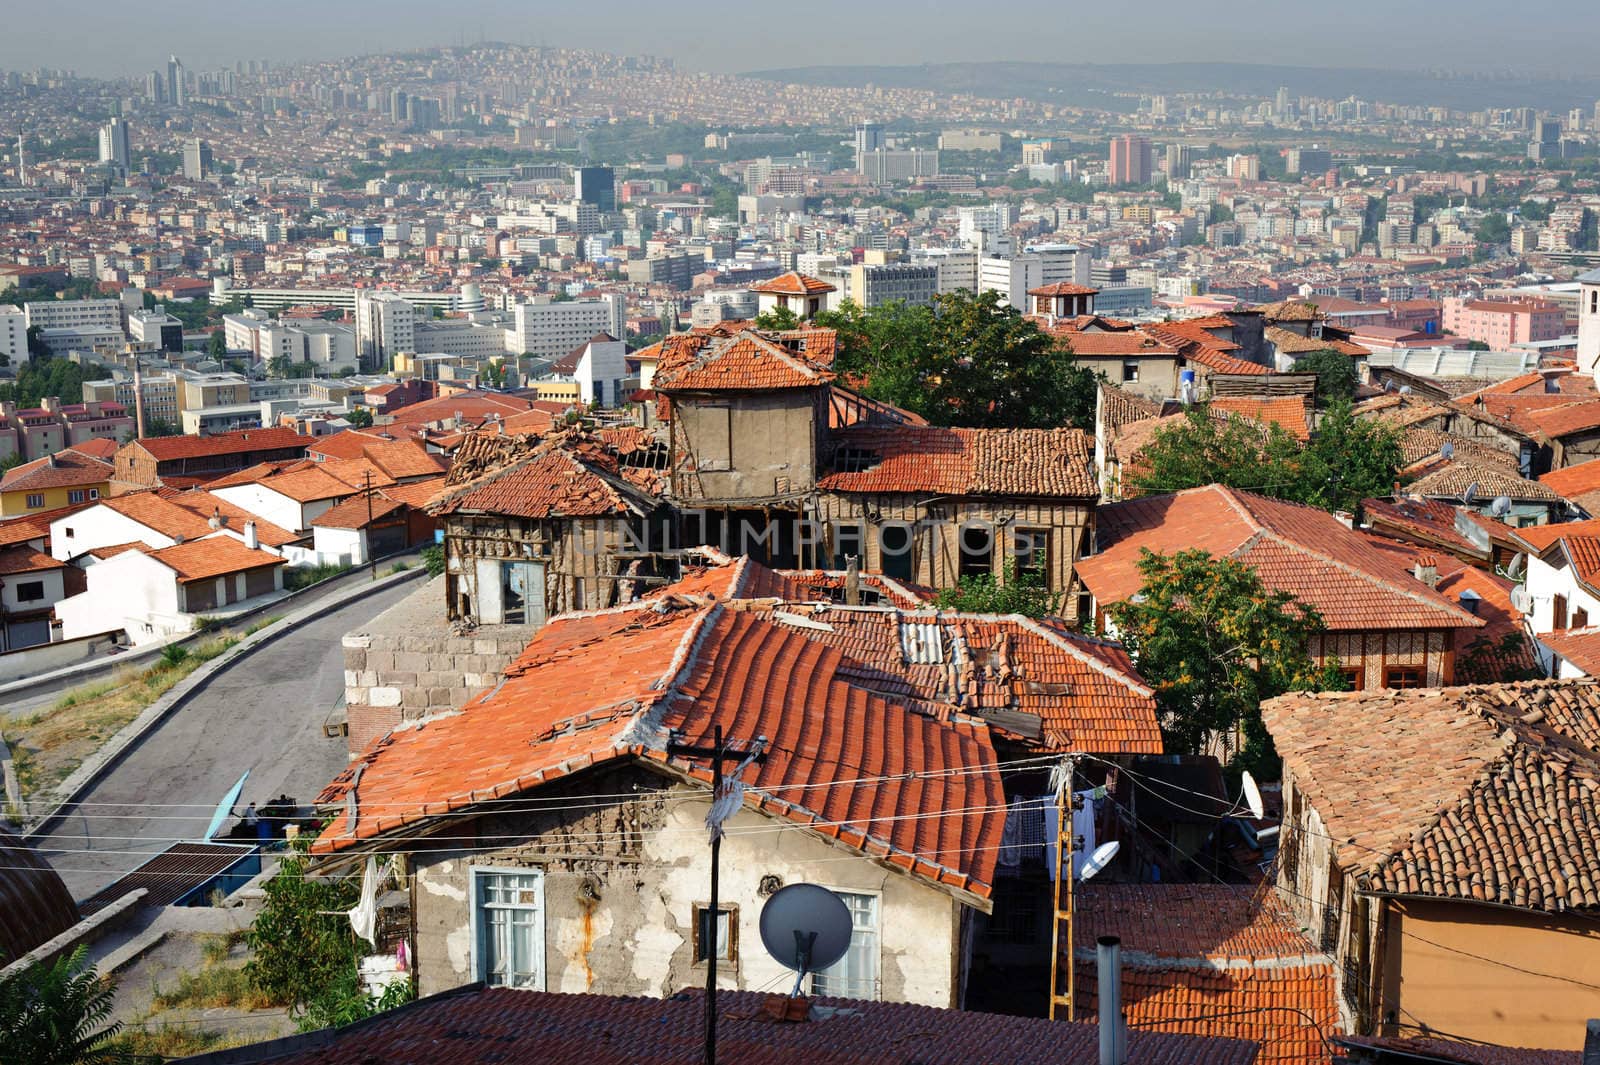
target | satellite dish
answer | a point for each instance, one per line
(805, 928)
(1447, 451)
(1500, 506)
(1405, 390)
(1099, 859)
(1252, 797)
(1470, 494)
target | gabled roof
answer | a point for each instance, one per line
(1480, 794)
(357, 512)
(794, 283)
(1286, 412)
(1296, 549)
(159, 514)
(609, 686)
(1537, 539)
(570, 475)
(64, 469)
(748, 361)
(302, 483)
(24, 559)
(1064, 288)
(1219, 960)
(1452, 480)
(164, 448)
(216, 556)
(1566, 420)
(1039, 463)
(1570, 482)
(486, 1026)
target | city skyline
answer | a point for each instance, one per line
(885, 34)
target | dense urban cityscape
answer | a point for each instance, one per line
(516, 552)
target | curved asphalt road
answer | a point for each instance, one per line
(264, 714)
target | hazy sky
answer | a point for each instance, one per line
(119, 37)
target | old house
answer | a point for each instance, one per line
(591, 812)
(182, 461)
(1386, 628)
(61, 479)
(31, 584)
(1448, 860)
(534, 528)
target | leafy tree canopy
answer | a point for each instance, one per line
(48, 376)
(1214, 643)
(967, 360)
(57, 1014)
(1336, 375)
(1014, 593)
(360, 417)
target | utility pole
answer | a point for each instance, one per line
(372, 558)
(1066, 844)
(719, 813)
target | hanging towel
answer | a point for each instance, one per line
(364, 918)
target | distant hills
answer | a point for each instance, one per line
(1088, 84)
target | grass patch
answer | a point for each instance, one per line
(47, 746)
(213, 987)
(263, 623)
(162, 1042)
(305, 576)
(399, 567)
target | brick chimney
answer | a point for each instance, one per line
(1427, 570)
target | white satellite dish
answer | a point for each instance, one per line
(1447, 451)
(1501, 506)
(805, 928)
(1252, 797)
(1099, 859)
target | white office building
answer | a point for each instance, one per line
(958, 267)
(875, 284)
(976, 227)
(114, 146)
(480, 335)
(888, 166)
(13, 334)
(385, 325)
(549, 330)
(75, 314)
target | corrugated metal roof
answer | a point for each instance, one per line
(174, 873)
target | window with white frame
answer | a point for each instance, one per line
(508, 941)
(856, 974)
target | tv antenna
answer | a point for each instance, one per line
(805, 928)
(1069, 843)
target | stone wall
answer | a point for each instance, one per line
(408, 662)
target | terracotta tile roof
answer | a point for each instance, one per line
(159, 514)
(1300, 550)
(101, 447)
(1291, 343)
(1135, 342)
(1452, 480)
(348, 444)
(1583, 553)
(1487, 794)
(1286, 412)
(24, 559)
(36, 526)
(1421, 1049)
(486, 1026)
(1537, 539)
(745, 362)
(403, 459)
(353, 513)
(302, 483)
(1290, 311)
(1119, 407)
(113, 550)
(65, 469)
(1064, 288)
(1515, 412)
(252, 474)
(1198, 951)
(1422, 448)
(1573, 418)
(1084, 693)
(216, 556)
(1580, 647)
(973, 462)
(593, 688)
(417, 494)
(164, 448)
(570, 475)
(794, 283)
(1426, 521)
(1571, 481)
(209, 506)
(474, 408)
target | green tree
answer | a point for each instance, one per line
(1347, 460)
(58, 1014)
(966, 361)
(1205, 449)
(778, 320)
(1493, 229)
(161, 427)
(1477, 345)
(1013, 593)
(217, 346)
(360, 417)
(302, 943)
(1336, 374)
(37, 348)
(1214, 642)
(280, 366)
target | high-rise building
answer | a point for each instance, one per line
(1130, 160)
(154, 87)
(1244, 167)
(399, 105)
(197, 162)
(22, 160)
(177, 83)
(596, 185)
(1180, 158)
(114, 147)
(1311, 160)
(385, 326)
(869, 137)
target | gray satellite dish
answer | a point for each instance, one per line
(1099, 859)
(1447, 451)
(1405, 390)
(1470, 494)
(1500, 506)
(805, 928)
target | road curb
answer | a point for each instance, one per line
(96, 764)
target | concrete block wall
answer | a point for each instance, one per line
(407, 663)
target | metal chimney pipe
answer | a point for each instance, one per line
(1113, 1040)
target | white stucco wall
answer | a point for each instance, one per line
(130, 591)
(280, 510)
(99, 526)
(1545, 582)
(638, 938)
